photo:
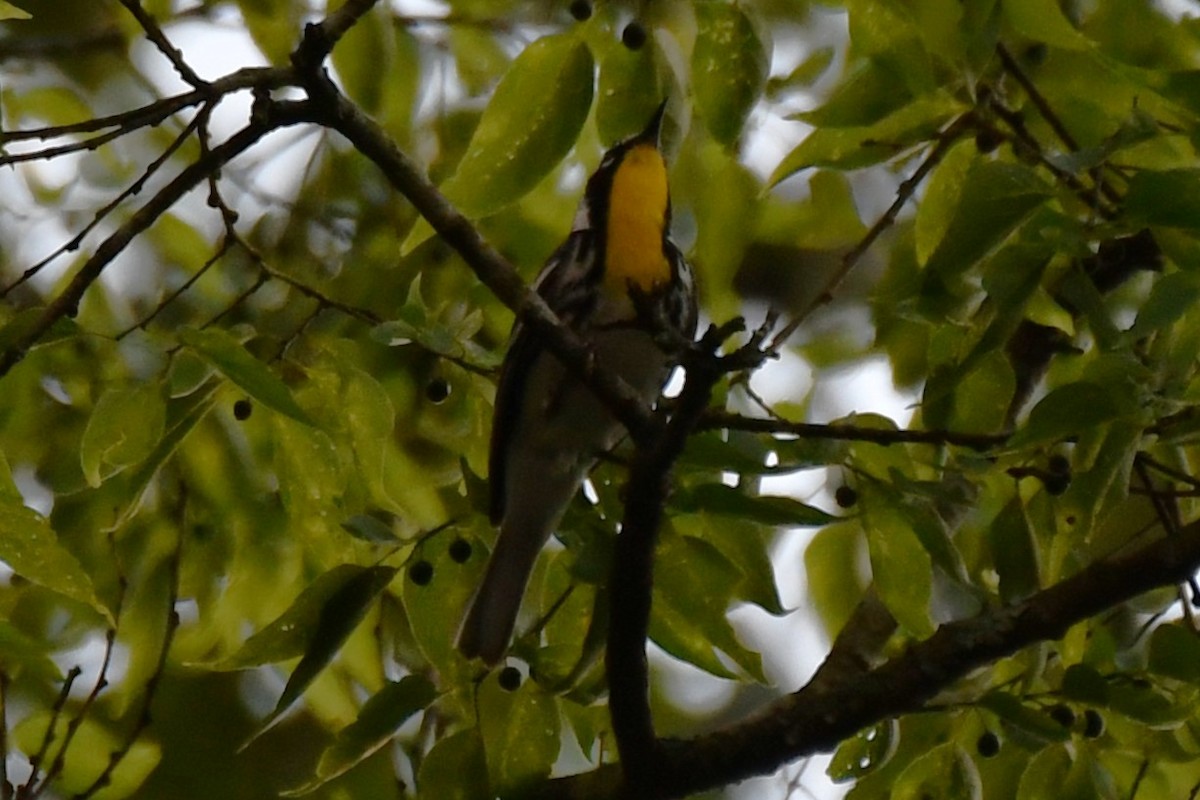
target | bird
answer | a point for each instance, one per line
(616, 281)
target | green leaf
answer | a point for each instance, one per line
(8, 488)
(745, 545)
(1013, 712)
(870, 92)
(9, 11)
(807, 71)
(435, 608)
(416, 323)
(124, 428)
(182, 418)
(370, 529)
(532, 121)
(996, 198)
(730, 63)
(632, 85)
(275, 26)
(864, 752)
(717, 498)
(455, 768)
(942, 193)
(1146, 704)
(520, 735)
(1066, 411)
(335, 620)
(1085, 685)
(1014, 553)
(1175, 652)
(30, 547)
(91, 747)
(945, 772)
(861, 146)
(1044, 22)
(1173, 296)
(691, 625)
(831, 564)
(228, 355)
(1170, 198)
(900, 564)
(378, 720)
(1045, 775)
(291, 634)
(22, 655)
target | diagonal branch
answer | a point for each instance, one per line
(155, 34)
(334, 110)
(816, 718)
(267, 117)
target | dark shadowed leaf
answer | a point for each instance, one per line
(227, 354)
(717, 498)
(1175, 652)
(996, 197)
(378, 720)
(729, 68)
(1014, 553)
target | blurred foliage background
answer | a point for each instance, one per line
(241, 482)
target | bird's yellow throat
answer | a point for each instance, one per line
(637, 215)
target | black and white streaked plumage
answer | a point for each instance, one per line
(547, 428)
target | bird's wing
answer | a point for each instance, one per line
(563, 285)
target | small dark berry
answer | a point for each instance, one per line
(845, 496)
(242, 409)
(1056, 483)
(634, 36)
(1058, 463)
(1063, 715)
(460, 550)
(988, 744)
(437, 390)
(1093, 724)
(581, 9)
(421, 573)
(987, 140)
(1035, 54)
(510, 679)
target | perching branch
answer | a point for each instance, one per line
(632, 577)
(334, 110)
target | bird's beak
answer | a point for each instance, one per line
(653, 131)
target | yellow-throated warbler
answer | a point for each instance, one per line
(616, 276)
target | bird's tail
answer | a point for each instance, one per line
(493, 613)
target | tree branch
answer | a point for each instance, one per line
(632, 577)
(725, 420)
(267, 117)
(819, 716)
(337, 112)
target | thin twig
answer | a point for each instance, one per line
(269, 116)
(134, 188)
(944, 141)
(724, 420)
(155, 34)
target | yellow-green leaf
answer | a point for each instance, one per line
(30, 547)
(123, 430)
(227, 354)
(730, 63)
(531, 123)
